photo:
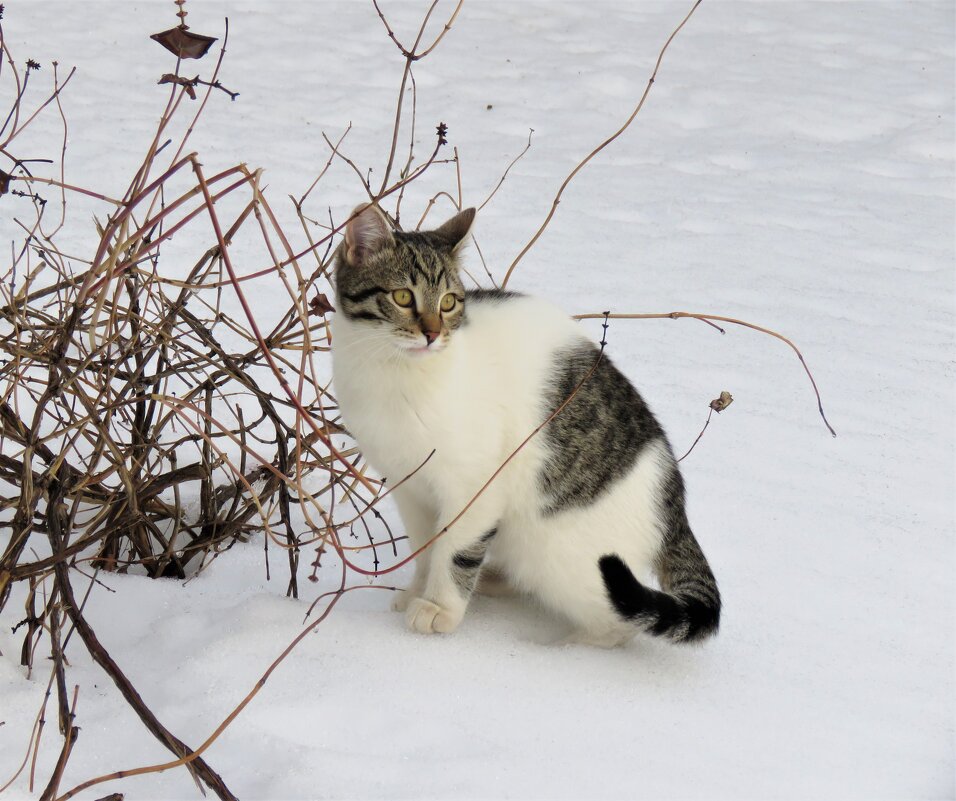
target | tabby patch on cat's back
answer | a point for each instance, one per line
(587, 517)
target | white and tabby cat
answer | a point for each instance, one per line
(583, 516)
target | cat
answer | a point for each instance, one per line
(584, 514)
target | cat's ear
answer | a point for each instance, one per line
(366, 233)
(454, 232)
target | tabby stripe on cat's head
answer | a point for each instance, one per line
(365, 294)
(365, 315)
(431, 269)
(438, 276)
(418, 267)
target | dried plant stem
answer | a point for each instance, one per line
(335, 149)
(18, 128)
(504, 175)
(195, 756)
(598, 149)
(34, 741)
(58, 523)
(70, 734)
(709, 318)
(411, 55)
(710, 413)
(224, 254)
(35, 179)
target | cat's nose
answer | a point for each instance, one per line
(430, 325)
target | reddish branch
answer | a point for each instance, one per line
(58, 522)
(709, 318)
(598, 149)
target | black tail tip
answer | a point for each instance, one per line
(682, 618)
(628, 596)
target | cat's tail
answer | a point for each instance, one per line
(687, 608)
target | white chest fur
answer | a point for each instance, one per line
(472, 404)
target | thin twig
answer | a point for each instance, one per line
(709, 318)
(598, 149)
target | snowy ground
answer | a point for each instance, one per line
(793, 167)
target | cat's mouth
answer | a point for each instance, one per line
(417, 351)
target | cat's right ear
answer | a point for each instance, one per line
(456, 229)
(366, 233)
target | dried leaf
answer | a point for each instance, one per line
(320, 305)
(186, 83)
(4, 182)
(182, 42)
(721, 403)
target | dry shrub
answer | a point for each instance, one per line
(141, 426)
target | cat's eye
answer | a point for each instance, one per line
(403, 297)
(448, 302)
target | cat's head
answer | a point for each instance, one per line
(403, 285)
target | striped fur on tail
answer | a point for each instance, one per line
(687, 608)
(680, 617)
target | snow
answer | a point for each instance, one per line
(793, 167)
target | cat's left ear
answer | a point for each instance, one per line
(454, 232)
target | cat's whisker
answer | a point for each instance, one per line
(370, 346)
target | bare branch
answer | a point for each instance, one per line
(598, 149)
(709, 318)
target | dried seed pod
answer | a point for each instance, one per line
(721, 403)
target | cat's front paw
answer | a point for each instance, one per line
(427, 617)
